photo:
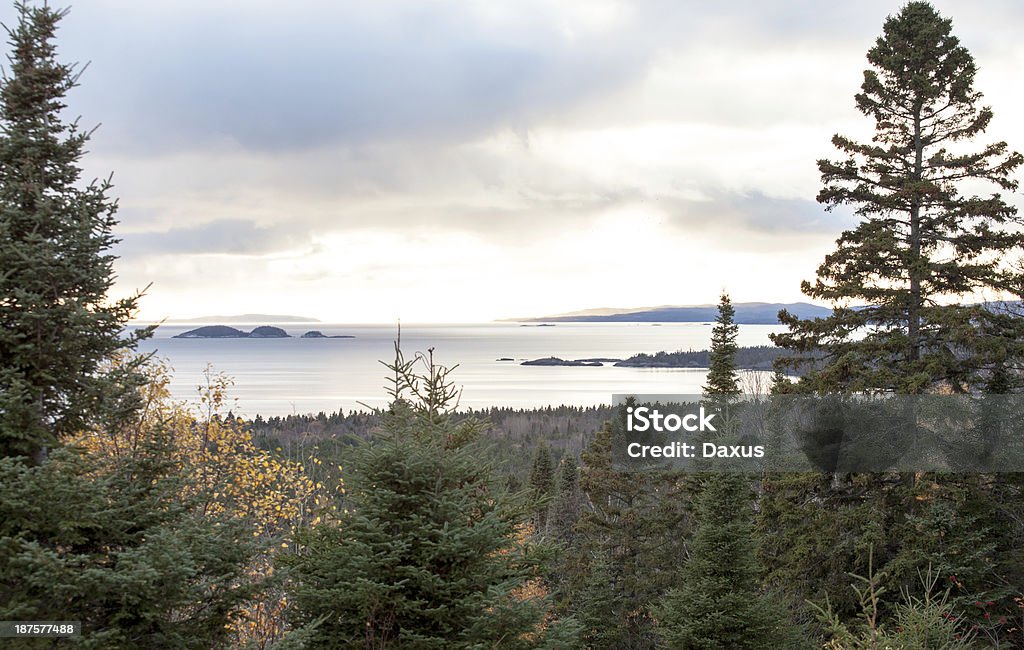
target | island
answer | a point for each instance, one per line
(758, 357)
(555, 361)
(317, 334)
(213, 332)
(227, 332)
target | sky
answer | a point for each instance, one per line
(442, 161)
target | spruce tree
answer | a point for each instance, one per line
(565, 509)
(923, 244)
(57, 327)
(564, 569)
(632, 532)
(429, 553)
(122, 545)
(542, 478)
(722, 380)
(719, 603)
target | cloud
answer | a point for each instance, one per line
(274, 77)
(264, 141)
(225, 236)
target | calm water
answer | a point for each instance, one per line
(283, 376)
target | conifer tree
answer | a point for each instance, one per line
(428, 554)
(722, 380)
(112, 542)
(719, 603)
(57, 326)
(922, 243)
(565, 509)
(632, 531)
(542, 478)
(564, 569)
(120, 542)
(923, 247)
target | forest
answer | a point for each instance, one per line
(159, 524)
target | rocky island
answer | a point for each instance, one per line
(759, 357)
(226, 332)
(555, 361)
(317, 334)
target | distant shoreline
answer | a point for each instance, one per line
(758, 357)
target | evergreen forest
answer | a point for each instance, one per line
(159, 524)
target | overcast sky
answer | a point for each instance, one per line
(466, 161)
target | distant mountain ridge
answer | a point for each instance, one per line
(247, 318)
(747, 313)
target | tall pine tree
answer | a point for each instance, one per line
(57, 326)
(922, 244)
(899, 282)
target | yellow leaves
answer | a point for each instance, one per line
(217, 454)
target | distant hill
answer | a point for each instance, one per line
(247, 318)
(747, 313)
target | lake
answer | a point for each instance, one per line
(295, 375)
